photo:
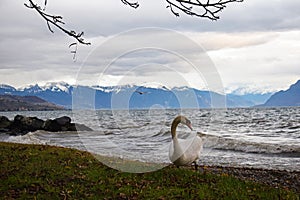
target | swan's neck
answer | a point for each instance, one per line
(175, 123)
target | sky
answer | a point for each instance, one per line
(253, 48)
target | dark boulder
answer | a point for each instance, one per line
(63, 121)
(22, 124)
(63, 124)
(52, 125)
(58, 124)
(4, 124)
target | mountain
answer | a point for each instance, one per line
(290, 97)
(126, 96)
(17, 103)
(257, 99)
(140, 97)
(238, 101)
(6, 89)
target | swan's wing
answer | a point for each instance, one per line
(194, 149)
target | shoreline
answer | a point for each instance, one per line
(280, 179)
(276, 178)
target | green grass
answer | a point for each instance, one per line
(45, 172)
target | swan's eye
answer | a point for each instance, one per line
(188, 121)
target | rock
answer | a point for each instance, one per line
(59, 124)
(4, 130)
(22, 125)
(63, 121)
(64, 124)
(4, 122)
(52, 125)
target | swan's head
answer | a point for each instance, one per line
(186, 122)
(182, 120)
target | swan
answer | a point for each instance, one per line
(184, 152)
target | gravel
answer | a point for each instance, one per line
(275, 178)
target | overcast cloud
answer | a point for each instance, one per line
(255, 45)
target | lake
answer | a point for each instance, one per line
(267, 138)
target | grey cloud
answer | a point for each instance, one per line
(111, 17)
(215, 41)
(128, 52)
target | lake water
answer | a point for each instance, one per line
(251, 137)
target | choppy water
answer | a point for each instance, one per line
(260, 138)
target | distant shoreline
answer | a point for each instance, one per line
(26, 103)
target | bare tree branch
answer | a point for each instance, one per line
(56, 21)
(199, 8)
(131, 4)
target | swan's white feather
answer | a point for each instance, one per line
(185, 151)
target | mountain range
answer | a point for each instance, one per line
(138, 97)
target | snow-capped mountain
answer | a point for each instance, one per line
(32, 89)
(289, 97)
(127, 96)
(116, 89)
(6, 89)
(57, 87)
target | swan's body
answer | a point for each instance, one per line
(184, 152)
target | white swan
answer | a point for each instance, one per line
(184, 152)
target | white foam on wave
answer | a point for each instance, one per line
(29, 138)
(221, 143)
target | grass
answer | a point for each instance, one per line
(46, 172)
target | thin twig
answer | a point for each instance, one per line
(131, 4)
(208, 9)
(56, 21)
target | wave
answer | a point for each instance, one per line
(29, 138)
(213, 142)
(229, 144)
(224, 143)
